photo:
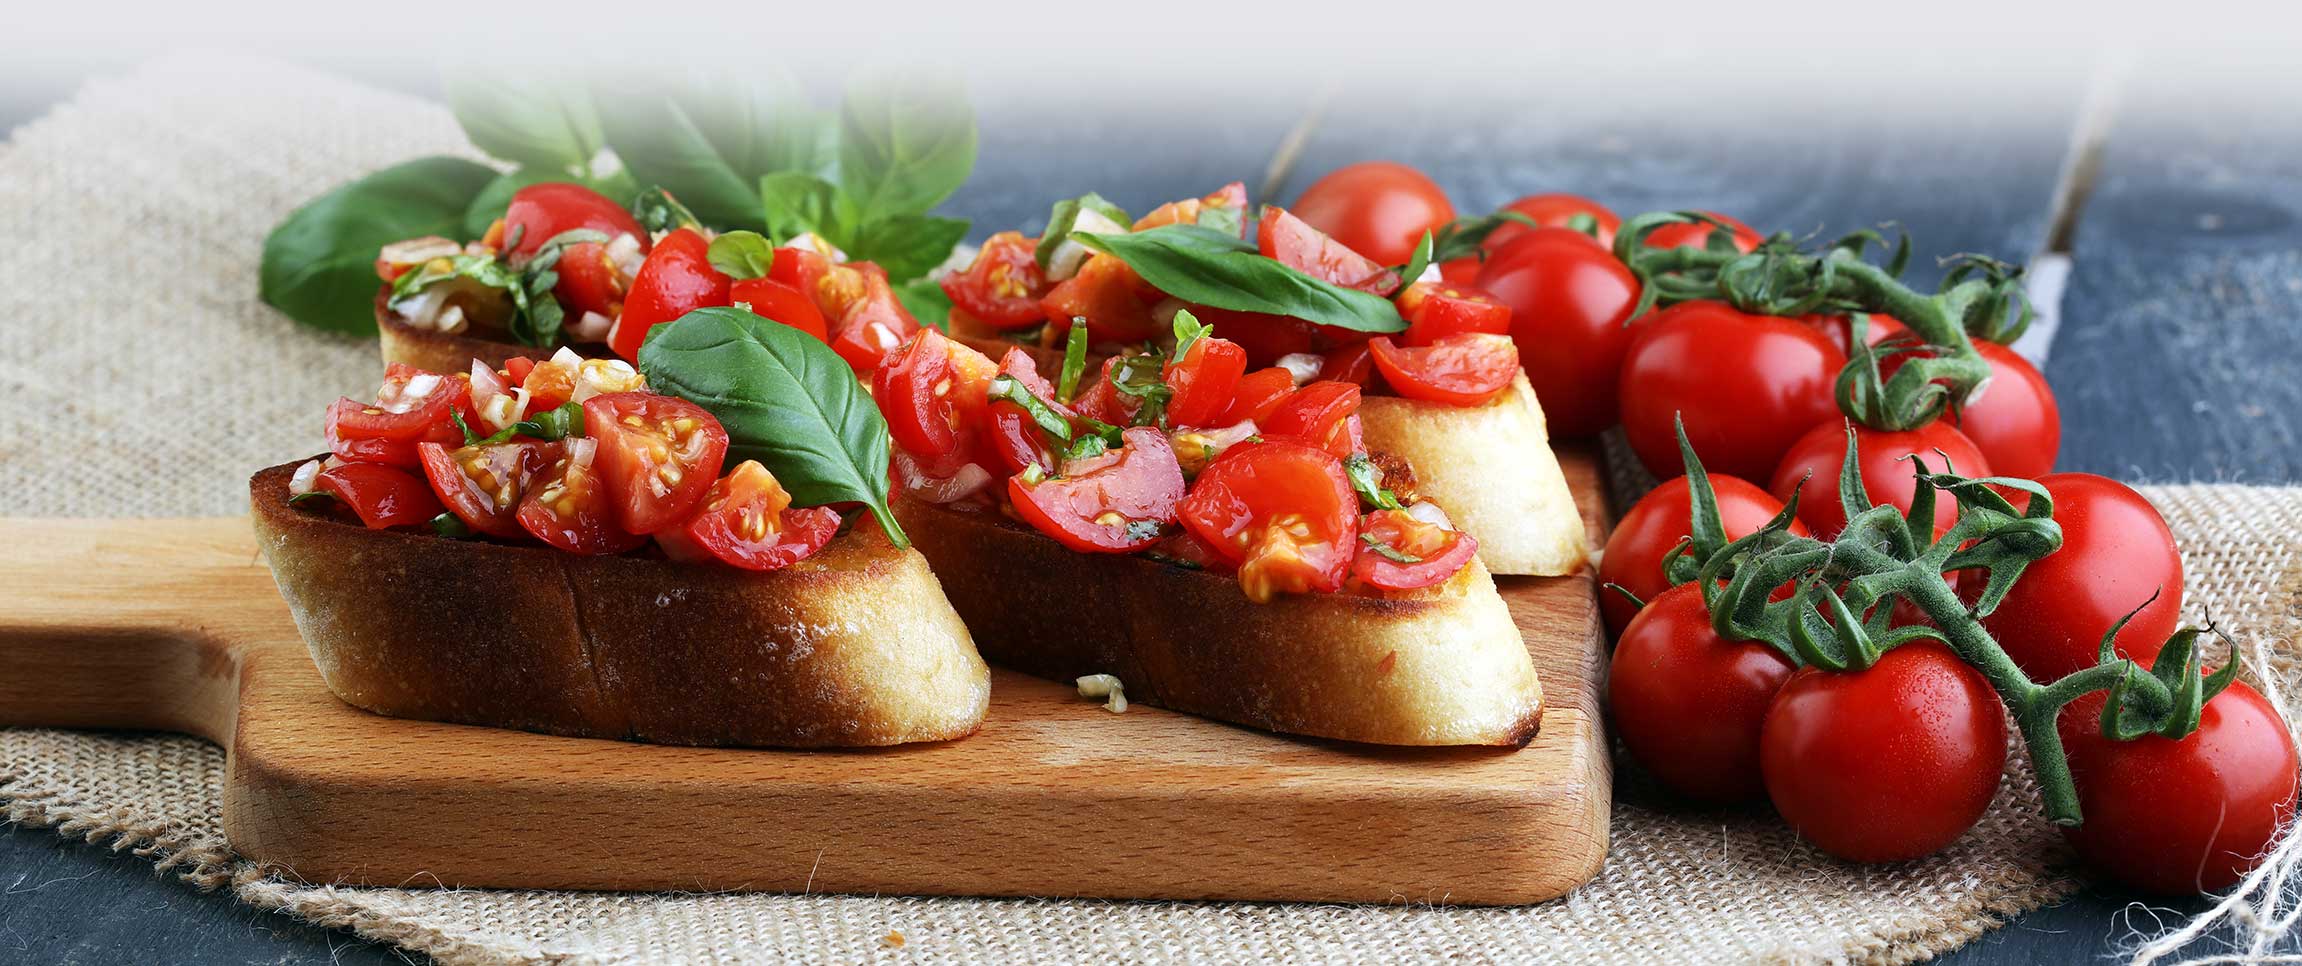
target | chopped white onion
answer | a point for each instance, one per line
(451, 320)
(808, 241)
(1069, 254)
(485, 381)
(405, 398)
(625, 255)
(580, 449)
(566, 357)
(416, 251)
(1430, 274)
(1429, 512)
(1304, 366)
(591, 327)
(1196, 448)
(301, 482)
(600, 377)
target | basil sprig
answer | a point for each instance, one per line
(1207, 267)
(319, 264)
(1367, 479)
(741, 254)
(1049, 421)
(1064, 218)
(786, 400)
(1074, 361)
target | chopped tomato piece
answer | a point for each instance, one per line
(657, 455)
(777, 302)
(383, 496)
(1295, 243)
(1282, 511)
(866, 320)
(1314, 412)
(516, 368)
(801, 269)
(1014, 440)
(568, 506)
(1003, 287)
(1102, 399)
(1460, 370)
(1118, 502)
(1352, 363)
(588, 281)
(483, 485)
(931, 390)
(1257, 394)
(676, 279)
(549, 385)
(1204, 380)
(1105, 293)
(1435, 310)
(1186, 212)
(1184, 547)
(747, 520)
(1265, 337)
(413, 406)
(541, 212)
(1420, 554)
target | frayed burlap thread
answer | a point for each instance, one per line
(194, 158)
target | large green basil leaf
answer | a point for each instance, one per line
(1215, 268)
(787, 401)
(926, 301)
(907, 246)
(530, 119)
(319, 263)
(797, 203)
(708, 135)
(906, 142)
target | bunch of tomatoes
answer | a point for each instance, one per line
(1897, 759)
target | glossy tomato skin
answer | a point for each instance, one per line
(1238, 503)
(1435, 310)
(2116, 551)
(1748, 387)
(1467, 369)
(540, 212)
(1889, 763)
(382, 496)
(1746, 238)
(866, 320)
(587, 281)
(1257, 395)
(1204, 380)
(1114, 503)
(1013, 441)
(1379, 209)
(746, 520)
(1569, 299)
(1811, 469)
(569, 507)
(656, 455)
(2181, 817)
(931, 390)
(1440, 553)
(676, 279)
(1105, 293)
(777, 302)
(484, 485)
(1552, 210)
(1319, 413)
(1004, 284)
(1297, 244)
(1688, 704)
(1655, 525)
(2016, 424)
(412, 406)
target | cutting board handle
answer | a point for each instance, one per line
(96, 631)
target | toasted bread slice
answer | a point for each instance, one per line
(1492, 468)
(438, 351)
(854, 646)
(1443, 668)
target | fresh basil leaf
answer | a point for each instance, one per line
(1074, 361)
(1063, 219)
(1207, 267)
(1085, 446)
(1049, 421)
(708, 134)
(799, 203)
(1462, 237)
(926, 301)
(537, 316)
(1188, 329)
(550, 424)
(1393, 553)
(787, 401)
(530, 119)
(482, 269)
(319, 263)
(310, 496)
(907, 246)
(656, 210)
(906, 142)
(741, 254)
(1367, 479)
(1226, 219)
(1144, 377)
(1415, 264)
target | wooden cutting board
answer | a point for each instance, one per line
(175, 625)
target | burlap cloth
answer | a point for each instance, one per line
(139, 376)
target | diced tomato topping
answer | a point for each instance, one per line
(1187, 212)
(1282, 511)
(777, 302)
(587, 277)
(1257, 394)
(866, 320)
(588, 281)
(383, 496)
(1435, 310)
(549, 384)
(1318, 413)
(931, 391)
(516, 369)
(657, 454)
(1014, 441)
(1426, 554)
(1003, 287)
(1105, 293)
(747, 520)
(412, 407)
(483, 485)
(1118, 502)
(1102, 399)
(801, 269)
(676, 279)
(1469, 369)
(1265, 337)
(1352, 363)
(1295, 243)
(1183, 546)
(568, 505)
(1205, 380)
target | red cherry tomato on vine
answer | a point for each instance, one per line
(1004, 284)
(676, 279)
(1469, 369)
(2116, 552)
(1379, 209)
(1695, 233)
(1888, 476)
(1568, 300)
(1888, 763)
(1748, 386)
(2187, 816)
(2016, 424)
(1655, 525)
(1296, 244)
(1114, 503)
(1688, 704)
(1554, 210)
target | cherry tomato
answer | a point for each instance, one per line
(1104, 292)
(1282, 511)
(1004, 284)
(1101, 400)
(803, 270)
(1232, 196)
(2016, 423)
(2116, 552)
(1015, 441)
(676, 279)
(483, 485)
(865, 318)
(777, 302)
(568, 505)
(1653, 528)
(1888, 763)
(1314, 413)
(1569, 299)
(2187, 816)
(1296, 244)
(930, 391)
(746, 520)
(1435, 310)
(1746, 238)
(657, 455)
(1257, 394)
(1470, 369)
(412, 406)
(1433, 554)
(1204, 380)
(541, 212)
(1378, 208)
(383, 496)
(1812, 465)
(1688, 704)
(1748, 387)
(1547, 211)
(588, 281)
(1118, 502)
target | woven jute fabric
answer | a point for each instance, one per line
(133, 323)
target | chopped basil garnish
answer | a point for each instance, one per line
(1188, 329)
(550, 424)
(1064, 219)
(741, 254)
(1415, 265)
(308, 496)
(1144, 377)
(1367, 478)
(1074, 360)
(1389, 552)
(1048, 420)
(656, 210)
(1084, 447)
(449, 525)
